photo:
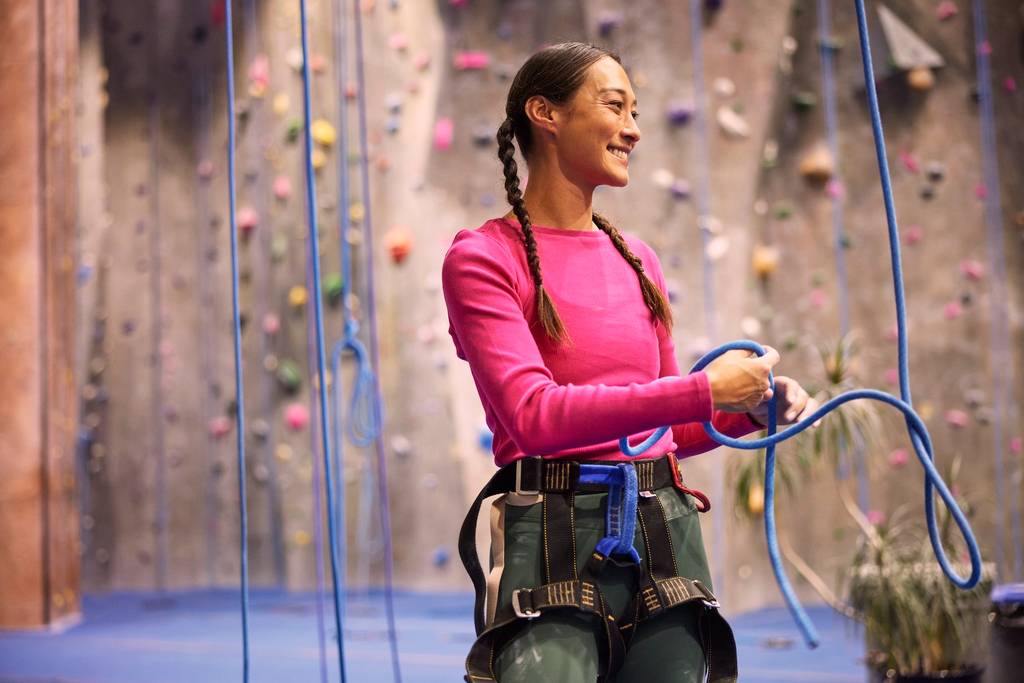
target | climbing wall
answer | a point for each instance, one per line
(159, 487)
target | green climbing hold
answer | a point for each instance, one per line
(288, 376)
(294, 130)
(846, 242)
(332, 288)
(783, 210)
(804, 100)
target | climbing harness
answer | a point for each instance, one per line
(566, 586)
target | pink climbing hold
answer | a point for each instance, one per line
(893, 334)
(910, 162)
(296, 416)
(876, 517)
(398, 41)
(444, 131)
(472, 60)
(984, 48)
(459, 3)
(1010, 84)
(898, 458)
(204, 169)
(956, 418)
(834, 189)
(271, 323)
(946, 10)
(219, 427)
(953, 310)
(421, 61)
(980, 191)
(818, 298)
(259, 70)
(914, 234)
(892, 376)
(972, 269)
(247, 219)
(1017, 445)
(282, 187)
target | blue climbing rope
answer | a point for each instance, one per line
(916, 428)
(243, 522)
(1002, 360)
(371, 307)
(314, 260)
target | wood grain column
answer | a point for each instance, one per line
(39, 534)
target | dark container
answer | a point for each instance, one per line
(1006, 638)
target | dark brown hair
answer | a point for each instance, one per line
(556, 73)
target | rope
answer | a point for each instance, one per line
(243, 522)
(915, 426)
(382, 479)
(1002, 359)
(314, 259)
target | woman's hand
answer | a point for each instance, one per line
(739, 379)
(794, 404)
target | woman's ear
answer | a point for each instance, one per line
(542, 113)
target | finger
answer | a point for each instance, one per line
(770, 357)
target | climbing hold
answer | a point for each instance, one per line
(293, 131)
(750, 326)
(980, 191)
(259, 72)
(441, 556)
(204, 169)
(351, 91)
(953, 310)
(297, 296)
(956, 418)
(1017, 445)
(398, 41)
(332, 287)
(608, 21)
(401, 446)
(717, 247)
(356, 212)
(1010, 84)
(260, 429)
(662, 178)
(680, 189)
(679, 113)
(673, 288)
(783, 210)
(296, 416)
(875, 517)
(293, 58)
(465, 61)
(392, 125)
(935, 171)
(443, 133)
(319, 159)
(804, 100)
(421, 61)
(219, 427)
(724, 87)
(972, 269)
(834, 189)
(271, 323)
(906, 50)
(921, 78)
(318, 64)
(247, 220)
(281, 103)
(914, 234)
(283, 452)
(278, 248)
(946, 10)
(817, 165)
(504, 31)
(898, 458)
(909, 162)
(731, 123)
(323, 132)
(483, 136)
(755, 500)
(765, 260)
(394, 102)
(282, 188)
(817, 298)
(927, 192)
(398, 241)
(260, 473)
(301, 538)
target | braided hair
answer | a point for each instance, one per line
(557, 72)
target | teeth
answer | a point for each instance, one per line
(618, 152)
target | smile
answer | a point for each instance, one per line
(619, 154)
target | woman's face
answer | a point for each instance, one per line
(599, 131)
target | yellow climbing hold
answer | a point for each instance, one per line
(323, 133)
(357, 211)
(283, 452)
(281, 103)
(765, 259)
(755, 500)
(297, 296)
(319, 159)
(301, 538)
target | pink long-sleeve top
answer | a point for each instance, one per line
(620, 375)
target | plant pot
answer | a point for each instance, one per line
(970, 675)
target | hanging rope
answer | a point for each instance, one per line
(314, 260)
(243, 530)
(1002, 357)
(915, 426)
(382, 478)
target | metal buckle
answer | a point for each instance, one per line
(528, 613)
(709, 598)
(519, 480)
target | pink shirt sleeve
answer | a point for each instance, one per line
(541, 416)
(690, 438)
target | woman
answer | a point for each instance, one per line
(567, 331)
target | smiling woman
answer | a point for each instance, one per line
(566, 326)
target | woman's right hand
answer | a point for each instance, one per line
(739, 379)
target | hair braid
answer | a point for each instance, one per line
(653, 297)
(546, 312)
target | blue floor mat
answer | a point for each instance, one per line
(195, 636)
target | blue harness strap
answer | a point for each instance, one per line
(620, 511)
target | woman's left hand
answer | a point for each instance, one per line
(793, 404)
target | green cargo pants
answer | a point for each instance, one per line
(562, 645)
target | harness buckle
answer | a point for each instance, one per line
(517, 606)
(709, 598)
(519, 480)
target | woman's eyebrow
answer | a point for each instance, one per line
(619, 90)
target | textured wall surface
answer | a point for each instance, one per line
(160, 495)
